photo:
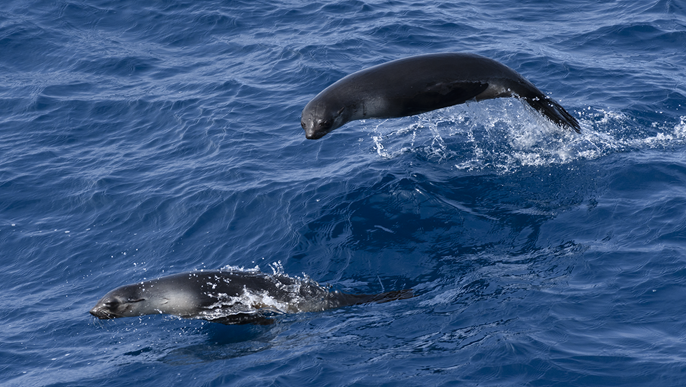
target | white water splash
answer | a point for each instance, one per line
(248, 302)
(255, 302)
(505, 135)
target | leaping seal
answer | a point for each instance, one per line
(229, 297)
(420, 84)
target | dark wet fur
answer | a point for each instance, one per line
(553, 111)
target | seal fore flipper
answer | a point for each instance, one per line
(244, 318)
(442, 94)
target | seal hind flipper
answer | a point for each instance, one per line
(553, 111)
(391, 296)
(344, 299)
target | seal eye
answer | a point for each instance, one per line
(112, 304)
(302, 124)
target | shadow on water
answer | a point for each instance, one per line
(177, 341)
(223, 342)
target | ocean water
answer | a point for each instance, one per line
(140, 139)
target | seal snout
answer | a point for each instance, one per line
(314, 135)
(315, 131)
(315, 127)
(100, 312)
(311, 132)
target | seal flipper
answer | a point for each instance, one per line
(244, 318)
(553, 111)
(389, 296)
(345, 299)
(442, 94)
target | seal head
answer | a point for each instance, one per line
(321, 117)
(123, 302)
(149, 297)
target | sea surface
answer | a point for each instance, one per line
(145, 138)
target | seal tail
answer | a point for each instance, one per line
(553, 111)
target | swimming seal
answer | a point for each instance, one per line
(420, 84)
(229, 297)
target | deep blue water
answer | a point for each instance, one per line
(139, 139)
